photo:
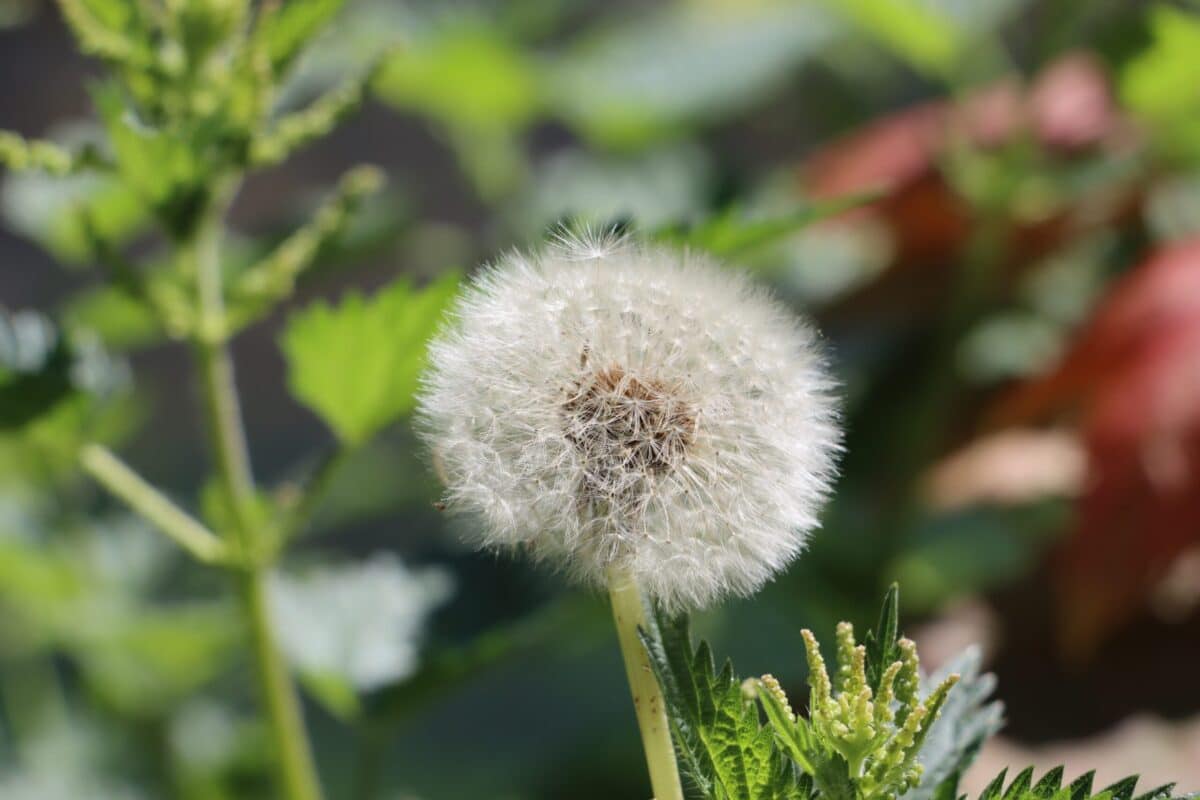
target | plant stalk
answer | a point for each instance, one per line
(629, 613)
(151, 504)
(296, 768)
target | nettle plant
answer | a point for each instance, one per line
(189, 108)
(630, 412)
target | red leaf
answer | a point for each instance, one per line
(1132, 379)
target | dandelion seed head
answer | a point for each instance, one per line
(604, 403)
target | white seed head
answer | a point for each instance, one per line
(609, 404)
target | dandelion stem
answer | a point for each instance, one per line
(293, 753)
(629, 613)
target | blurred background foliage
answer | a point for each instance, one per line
(991, 208)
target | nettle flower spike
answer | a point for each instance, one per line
(867, 736)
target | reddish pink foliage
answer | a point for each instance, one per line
(1133, 380)
(1068, 110)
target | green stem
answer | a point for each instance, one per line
(110, 472)
(313, 492)
(294, 761)
(629, 613)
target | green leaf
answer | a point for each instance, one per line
(202, 25)
(288, 26)
(299, 128)
(881, 642)
(41, 367)
(916, 32)
(57, 211)
(121, 322)
(724, 747)
(731, 233)
(356, 365)
(273, 278)
(466, 76)
(20, 155)
(110, 29)
(1050, 786)
(164, 167)
(1159, 85)
(151, 658)
(967, 720)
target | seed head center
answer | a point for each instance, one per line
(626, 426)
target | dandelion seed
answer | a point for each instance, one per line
(606, 405)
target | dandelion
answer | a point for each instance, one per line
(639, 418)
(605, 404)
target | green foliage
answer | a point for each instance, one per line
(720, 60)
(1159, 84)
(466, 76)
(273, 278)
(918, 33)
(65, 214)
(42, 366)
(20, 154)
(967, 720)
(725, 749)
(864, 736)
(731, 234)
(860, 739)
(287, 27)
(356, 364)
(866, 728)
(1050, 787)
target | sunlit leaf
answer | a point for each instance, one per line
(725, 749)
(52, 211)
(289, 26)
(356, 364)
(1159, 84)
(466, 76)
(163, 167)
(916, 32)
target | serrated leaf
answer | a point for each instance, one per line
(967, 720)
(724, 747)
(993, 789)
(357, 364)
(1122, 789)
(881, 646)
(1049, 786)
(1081, 787)
(1020, 785)
(1050, 783)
